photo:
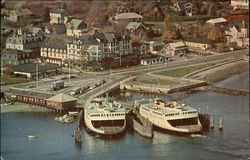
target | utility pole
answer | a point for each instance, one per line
(69, 70)
(120, 59)
(36, 75)
(2, 68)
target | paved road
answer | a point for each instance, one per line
(119, 75)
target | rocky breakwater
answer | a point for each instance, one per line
(65, 119)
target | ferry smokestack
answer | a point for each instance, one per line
(110, 104)
(174, 103)
(98, 104)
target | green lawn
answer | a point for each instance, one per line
(158, 26)
(107, 29)
(8, 79)
(180, 72)
(158, 39)
(158, 81)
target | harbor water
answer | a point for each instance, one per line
(55, 141)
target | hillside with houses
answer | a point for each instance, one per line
(101, 35)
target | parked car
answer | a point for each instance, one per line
(57, 85)
(93, 86)
(64, 78)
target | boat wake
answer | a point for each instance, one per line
(198, 135)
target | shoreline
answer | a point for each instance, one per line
(22, 107)
(18, 107)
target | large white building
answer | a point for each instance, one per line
(54, 53)
(238, 34)
(114, 44)
(84, 48)
(240, 4)
(88, 48)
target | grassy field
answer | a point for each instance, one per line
(107, 29)
(8, 79)
(158, 39)
(159, 82)
(180, 72)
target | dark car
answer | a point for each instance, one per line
(64, 78)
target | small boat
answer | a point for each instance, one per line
(30, 136)
(143, 127)
(221, 124)
(211, 123)
(73, 113)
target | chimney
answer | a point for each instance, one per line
(243, 24)
(174, 103)
(97, 104)
(110, 104)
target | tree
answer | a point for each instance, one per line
(195, 35)
(135, 38)
(46, 15)
(215, 34)
(8, 71)
(170, 35)
(167, 22)
(174, 1)
(212, 9)
(221, 47)
(170, 32)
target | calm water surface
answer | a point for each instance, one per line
(55, 141)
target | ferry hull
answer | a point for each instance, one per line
(113, 130)
(165, 125)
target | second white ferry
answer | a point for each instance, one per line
(172, 116)
(105, 116)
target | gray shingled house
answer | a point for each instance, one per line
(76, 28)
(16, 57)
(25, 39)
(18, 15)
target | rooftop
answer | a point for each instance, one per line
(199, 40)
(29, 92)
(216, 20)
(55, 46)
(75, 24)
(59, 11)
(109, 36)
(183, 4)
(128, 15)
(177, 44)
(12, 54)
(169, 107)
(61, 98)
(134, 25)
(31, 67)
(23, 12)
(105, 106)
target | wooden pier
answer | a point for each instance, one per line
(77, 130)
(36, 98)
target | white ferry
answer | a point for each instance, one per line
(105, 116)
(172, 116)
